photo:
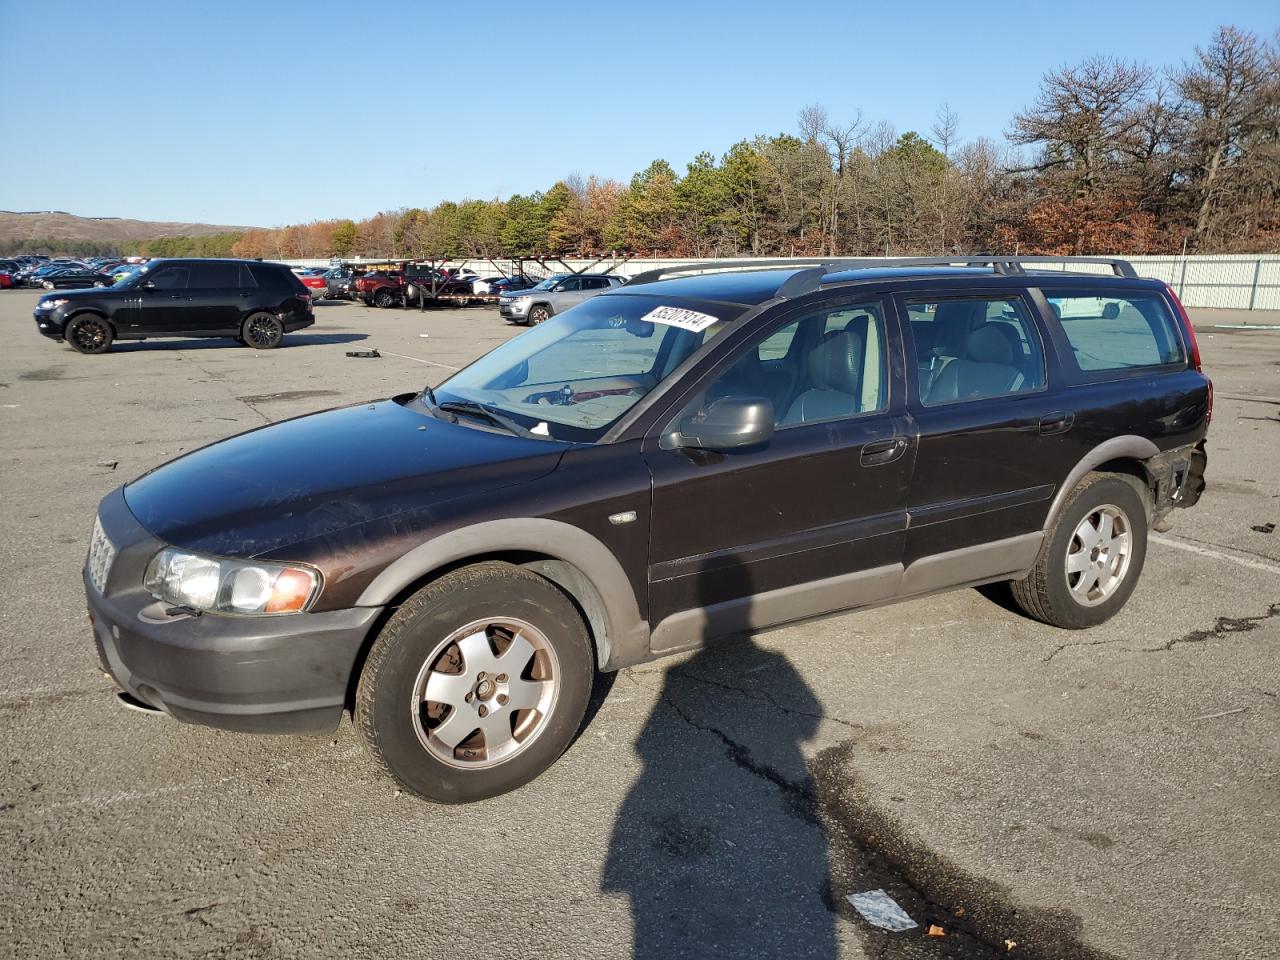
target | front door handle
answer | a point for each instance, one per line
(879, 452)
(1056, 423)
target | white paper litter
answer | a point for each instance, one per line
(880, 910)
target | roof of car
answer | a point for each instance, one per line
(751, 287)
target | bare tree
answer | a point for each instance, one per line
(1228, 92)
(1080, 115)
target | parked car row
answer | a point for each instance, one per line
(59, 273)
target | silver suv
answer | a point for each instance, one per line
(556, 294)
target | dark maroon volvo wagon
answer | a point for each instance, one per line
(696, 454)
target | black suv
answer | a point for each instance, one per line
(255, 302)
(681, 459)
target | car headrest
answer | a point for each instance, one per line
(988, 344)
(836, 362)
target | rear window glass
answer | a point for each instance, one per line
(271, 277)
(215, 275)
(1108, 332)
(246, 278)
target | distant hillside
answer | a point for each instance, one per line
(17, 227)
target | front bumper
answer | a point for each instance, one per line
(50, 323)
(514, 311)
(254, 674)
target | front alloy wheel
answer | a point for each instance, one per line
(89, 334)
(538, 314)
(476, 684)
(485, 693)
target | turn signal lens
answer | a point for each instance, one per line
(291, 591)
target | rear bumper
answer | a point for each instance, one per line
(285, 675)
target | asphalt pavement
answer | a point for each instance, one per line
(1027, 791)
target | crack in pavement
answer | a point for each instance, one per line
(1081, 643)
(764, 698)
(1221, 627)
(799, 799)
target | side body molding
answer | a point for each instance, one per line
(582, 566)
(1128, 446)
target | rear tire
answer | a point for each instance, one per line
(262, 331)
(89, 333)
(1091, 559)
(483, 638)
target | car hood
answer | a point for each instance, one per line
(76, 293)
(319, 474)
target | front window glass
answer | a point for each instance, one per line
(828, 365)
(574, 376)
(171, 278)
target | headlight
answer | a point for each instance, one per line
(51, 304)
(240, 587)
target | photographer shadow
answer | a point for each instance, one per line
(718, 844)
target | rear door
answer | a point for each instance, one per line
(995, 434)
(813, 521)
(214, 298)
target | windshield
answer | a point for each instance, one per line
(574, 376)
(548, 283)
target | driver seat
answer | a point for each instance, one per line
(835, 377)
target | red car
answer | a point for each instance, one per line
(315, 283)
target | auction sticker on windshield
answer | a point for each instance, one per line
(690, 320)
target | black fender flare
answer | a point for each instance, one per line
(580, 564)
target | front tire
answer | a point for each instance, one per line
(539, 314)
(1090, 561)
(476, 684)
(262, 331)
(383, 299)
(89, 333)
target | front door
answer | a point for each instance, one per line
(991, 436)
(811, 522)
(162, 301)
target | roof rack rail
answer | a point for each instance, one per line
(1000, 263)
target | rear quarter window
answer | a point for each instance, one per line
(1110, 332)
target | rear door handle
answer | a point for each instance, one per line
(1056, 423)
(879, 452)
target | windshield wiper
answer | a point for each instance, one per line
(488, 413)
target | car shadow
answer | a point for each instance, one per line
(718, 845)
(290, 341)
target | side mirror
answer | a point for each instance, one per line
(729, 423)
(148, 284)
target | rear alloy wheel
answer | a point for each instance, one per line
(383, 298)
(263, 331)
(539, 314)
(89, 333)
(476, 685)
(1092, 557)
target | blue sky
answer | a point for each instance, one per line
(269, 113)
